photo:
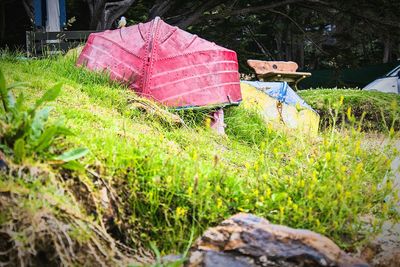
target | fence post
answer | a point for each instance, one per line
(28, 36)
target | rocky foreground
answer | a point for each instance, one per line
(245, 240)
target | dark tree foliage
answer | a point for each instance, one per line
(314, 33)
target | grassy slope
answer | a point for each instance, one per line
(382, 109)
(175, 182)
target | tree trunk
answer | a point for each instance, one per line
(301, 51)
(28, 6)
(159, 8)
(288, 37)
(288, 50)
(259, 44)
(103, 13)
(386, 49)
(96, 9)
(278, 40)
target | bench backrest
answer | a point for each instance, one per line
(263, 67)
(39, 43)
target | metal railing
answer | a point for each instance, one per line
(40, 43)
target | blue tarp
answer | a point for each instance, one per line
(280, 91)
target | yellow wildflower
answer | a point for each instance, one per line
(289, 201)
(268, 192)
(218, 188)
(328, 156)
(190, 191)
(281, 211)
(256, 192)
(314, 176)
(349, 113)
(219, 203)
(207, 122)
(256, 166)
(341, 100)
(343, 168)
(180, 211)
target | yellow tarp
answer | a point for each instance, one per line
(292, 117)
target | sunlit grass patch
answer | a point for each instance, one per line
(378, 111)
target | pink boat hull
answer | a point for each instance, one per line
(167, 64)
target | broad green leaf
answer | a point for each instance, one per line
(19, 150)
(50, 95)
(46, 138)
(39, 121)
(3, 91)
(73, 154)
(64, 131)
(3, 88)
(74, 166)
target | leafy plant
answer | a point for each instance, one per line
(26, 131)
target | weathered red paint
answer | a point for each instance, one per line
(166, 64)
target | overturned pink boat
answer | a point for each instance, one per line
(167, 64)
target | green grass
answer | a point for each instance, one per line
(382, 110)
(174, 182)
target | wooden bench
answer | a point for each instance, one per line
(40, 43)
(278, 71)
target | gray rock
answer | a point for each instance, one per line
(245, 240)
